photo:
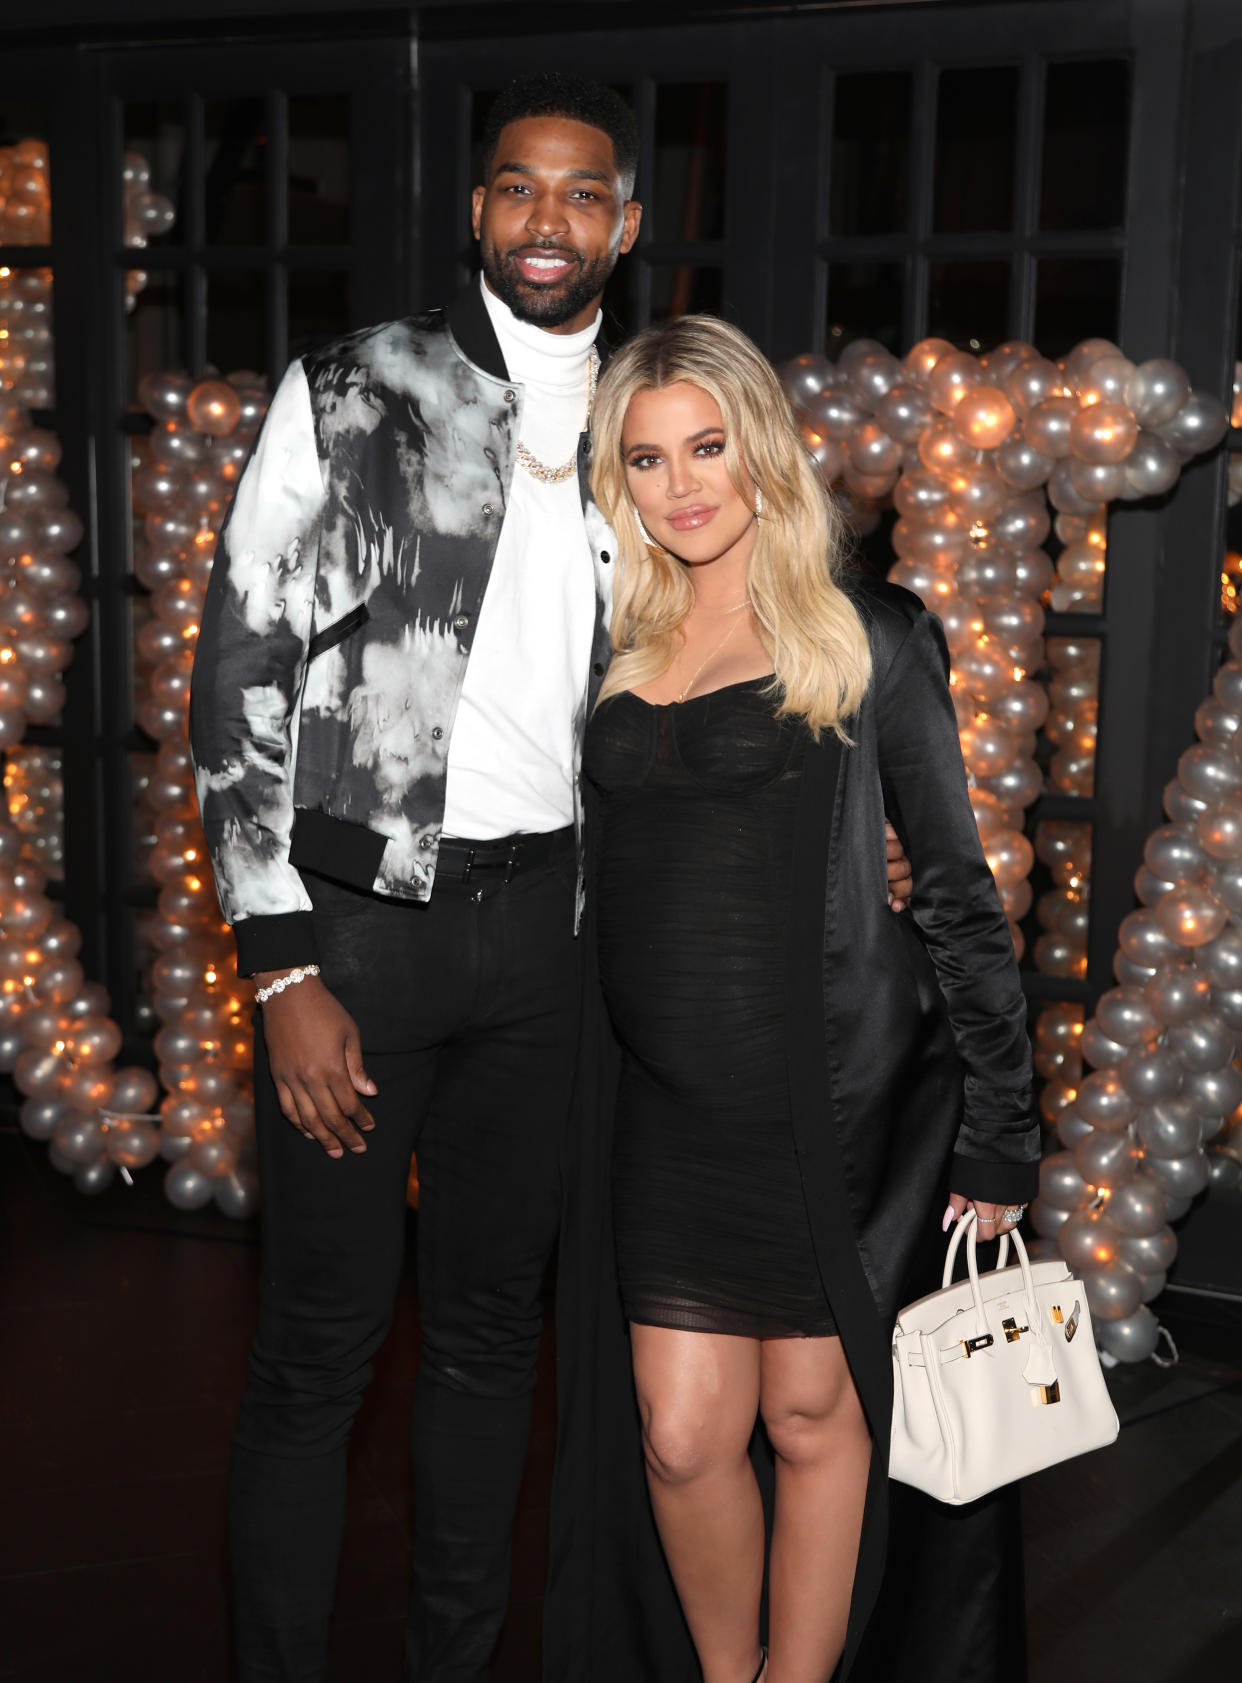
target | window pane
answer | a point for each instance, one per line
(1062, 883)
(155, 149)
(689, 162)
(235, 185)
(969, 303)
(319, 170)
(864, 302)
(237, 319)
(678, 290)
(1086, 125)
(1073, 709)
(27, 363)
(25, 188)
(1076, 298)
(35, 796)
(976, 148)
(318, 308)
(870, 164)
(154, 326)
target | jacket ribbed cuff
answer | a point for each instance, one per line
(994, 1183)
(277, 942)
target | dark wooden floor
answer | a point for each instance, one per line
(123, 1330)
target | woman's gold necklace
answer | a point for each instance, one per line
(737, 607)
(555, 476)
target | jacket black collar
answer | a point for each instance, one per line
(472, 328)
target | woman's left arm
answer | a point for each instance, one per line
(959, 913)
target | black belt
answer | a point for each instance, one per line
(462, 859)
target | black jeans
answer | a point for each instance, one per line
(468, 1012)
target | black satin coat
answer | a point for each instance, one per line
(910, 1077)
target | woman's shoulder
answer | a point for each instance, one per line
(889, 613)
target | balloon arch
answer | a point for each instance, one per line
(970, 452)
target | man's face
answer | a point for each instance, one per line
(552, 221)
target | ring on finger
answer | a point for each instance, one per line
(1013, 1214)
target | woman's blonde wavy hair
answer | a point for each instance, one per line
(808, 625)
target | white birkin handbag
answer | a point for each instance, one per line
(995, 1377)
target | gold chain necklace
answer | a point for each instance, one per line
(556, 475)
(720, 645)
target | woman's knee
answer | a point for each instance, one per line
(806, 1428)
(683, 1444)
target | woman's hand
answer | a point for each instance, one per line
(989, 1218)
(900, 879)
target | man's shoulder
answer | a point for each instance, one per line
(374, 348)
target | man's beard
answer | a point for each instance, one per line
(550, 305)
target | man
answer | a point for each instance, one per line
(405, 632)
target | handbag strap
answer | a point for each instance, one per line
(1028, 1282)
(964, 1222)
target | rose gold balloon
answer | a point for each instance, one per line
(984, 417)
(951, 378)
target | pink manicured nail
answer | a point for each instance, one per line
(948, 1220)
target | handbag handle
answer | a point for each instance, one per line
(1028, 1283)
(965, 1221)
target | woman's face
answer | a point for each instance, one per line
(673, 445)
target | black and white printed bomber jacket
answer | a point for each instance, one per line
(339, 619)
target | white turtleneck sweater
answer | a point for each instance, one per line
(511, 761)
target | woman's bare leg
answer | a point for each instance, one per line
(823, 1455)
(698, 1395)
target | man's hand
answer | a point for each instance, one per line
(900, 878)
(315, 1054)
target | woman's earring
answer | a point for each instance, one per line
(643, 533)
(758, 503)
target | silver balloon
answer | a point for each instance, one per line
(1207, 772)
(1071, 1127)
(1169, 1129)
(1088, 1240)
(1178, 991)
(1150, 1073)
(1173, 853)
(1153, 466)
(37, 1118)
(1220, 961)
(238, 1194)
(186, 1188)
(1214, 1092)
(1125, 1017)
(1148, 887)
(1098, 1050)
(1181, 806)
(1198, 426)
(1226, 882)
(1142, 940)
(79, 1139)
(1046, 1219)
(1106, 1160)
(1133, 1339)
(173, 1147)
(95, 1177)
(1153, 1285)
(1156, 391)
(1129, 974)
(1224, 1172)
(1176, 1207)
(1150, 1253)
(1113, 1292)
(1184, 1177)
(803, 377)
(1201, 1043)
(1060, 1184)
(1139, 1207)
(1227, 1004)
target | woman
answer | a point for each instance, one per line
(804, 1076)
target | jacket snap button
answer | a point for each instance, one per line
(438, 732)
(487, 508)
(509, 396)
(598, 669)
(604, 555)
(461, 622)
(425, 842)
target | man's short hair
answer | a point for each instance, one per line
(550, 94)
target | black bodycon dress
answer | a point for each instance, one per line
(697, 805)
